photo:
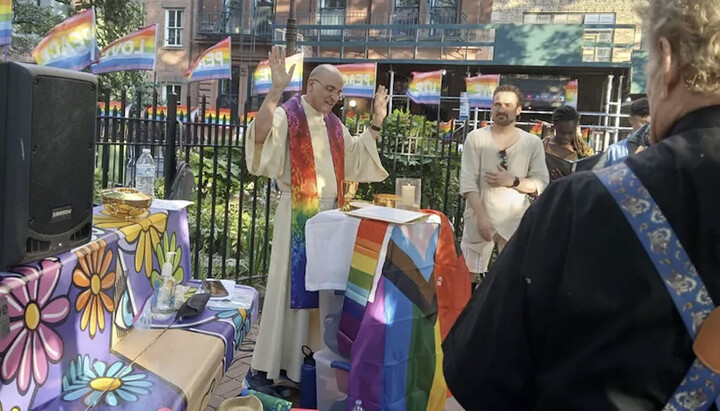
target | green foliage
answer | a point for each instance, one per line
(29, 18)
(115, 19)
(410, 148)
(214, 215)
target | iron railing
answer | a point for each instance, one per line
(231, 22)
(233, 211)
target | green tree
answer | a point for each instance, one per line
(114, 19)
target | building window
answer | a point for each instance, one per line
(174, 27)
(598, 36)
(567, 18)
(607, 18)
(172, 89)
(596, 54)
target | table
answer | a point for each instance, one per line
(72, 343)
(404, 286)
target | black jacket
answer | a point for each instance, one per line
(573, 316)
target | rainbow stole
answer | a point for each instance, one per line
(397, 357)
(366, 254)
(304, 200)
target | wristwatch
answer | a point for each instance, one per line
(515, 183)
(374, 127)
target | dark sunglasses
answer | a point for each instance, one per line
(503, 159)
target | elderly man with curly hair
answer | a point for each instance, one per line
(605, 297)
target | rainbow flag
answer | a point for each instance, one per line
(585, 133)
(537, 129)
(222, 117)
(571, 94)
(446, 128)
(263, 76)
(251, 116)
(6, 16)
(214, 63)
(397, 357)
(136, 51)
(480, 90)
(359, 79)
(161, 112)
(69, 45)
(425, 88)
(115, 107)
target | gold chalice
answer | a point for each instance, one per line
(349, 189)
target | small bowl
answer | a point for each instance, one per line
(125, 202)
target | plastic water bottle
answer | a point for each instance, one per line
(358, 406)
(145, 173)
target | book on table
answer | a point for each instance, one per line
(567, 167)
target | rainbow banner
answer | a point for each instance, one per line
(136, 51)
(115, 107)
(214, 63)
(263, 75)
(69, 45)
(221, 117)
(446, 128)
(537, 129)
(571, 93)
(585, 133)
(359, 79)
(251, 116)
(425, 88)
(161, 112)
(480, 90)
(6, 16)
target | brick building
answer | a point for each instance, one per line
(597, 42)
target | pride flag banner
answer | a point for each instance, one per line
(425, 88)
(221, 117)
(161, 112)
(6, 15)
(480, 90)
(251, 116)
(446, 128)
(214, 63)
(537, 129)
(585, 133)
(69, 45)
(359, 79)
(263, 75)
(571, 93)
(136, 51)
(115, 107)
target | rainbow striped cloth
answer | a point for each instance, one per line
(366, 254)
(214, 63)
(136, 51)
(305, 202)
(396, 358)
(6, 15)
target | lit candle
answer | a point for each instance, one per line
(407, 194)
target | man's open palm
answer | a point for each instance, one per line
(281, 77)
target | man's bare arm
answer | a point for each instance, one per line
(280, 80)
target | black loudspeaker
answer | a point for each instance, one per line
(47, 152)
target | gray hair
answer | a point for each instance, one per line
(693, 29)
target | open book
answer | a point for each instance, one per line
(568, 167)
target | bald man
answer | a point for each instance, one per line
(310, 152)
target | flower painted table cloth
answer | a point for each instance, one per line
(72, 344)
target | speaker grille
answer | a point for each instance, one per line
(61, 154)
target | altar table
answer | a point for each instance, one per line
(72, 343)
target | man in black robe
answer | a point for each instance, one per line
(574, 316)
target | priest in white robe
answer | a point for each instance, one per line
(285, 330)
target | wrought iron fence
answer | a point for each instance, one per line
(233, 211)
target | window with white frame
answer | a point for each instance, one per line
(568, 18)
(174, 20)
(171, 89)
(605, 18)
